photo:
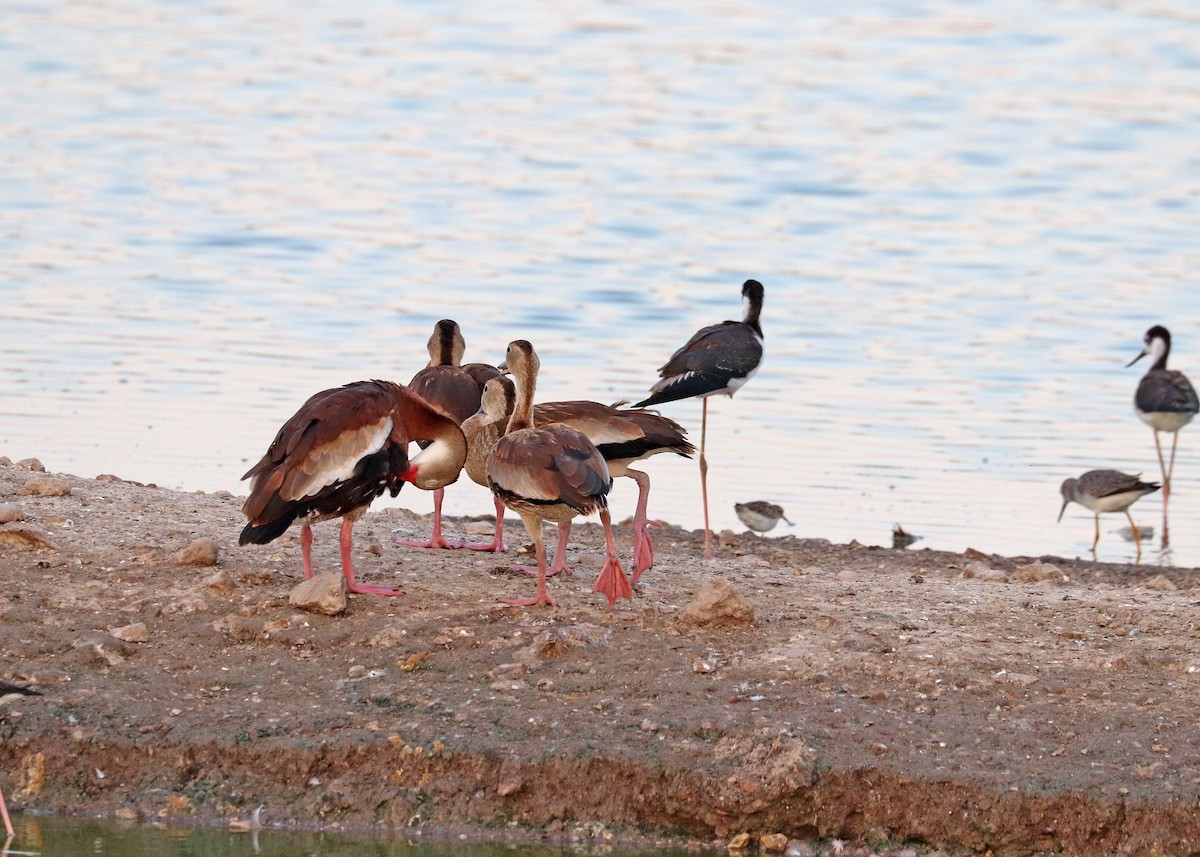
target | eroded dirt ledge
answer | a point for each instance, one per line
(891, 698)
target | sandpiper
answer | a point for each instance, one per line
(1107, 491)
(759, 515)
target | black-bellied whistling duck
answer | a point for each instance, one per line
(1165, 401)
(717, 359)
(447, 384)
(8, 693)
(622, 436)
(483, 430)
(341, 450)
(551, 473)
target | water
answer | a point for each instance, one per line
(62, 837)
(965, 217)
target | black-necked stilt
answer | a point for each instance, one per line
(341, 450)
(551, 473)
(717, 359)
(445, 383)
(1107, 491)
(759, 515)
(8, 693)
(1165, 400)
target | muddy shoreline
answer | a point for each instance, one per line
(891, 700)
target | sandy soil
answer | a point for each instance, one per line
(880, 700)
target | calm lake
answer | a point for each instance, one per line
(965, 216)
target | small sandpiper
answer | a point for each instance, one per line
(759, 515)
(1165, 399)
(1107, 491)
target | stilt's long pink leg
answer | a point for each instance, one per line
(704, 477)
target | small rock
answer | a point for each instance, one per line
(220, 582)
(108, 477)
(5, 461)
(773, 842)
(649, 725)
(1161, 584)
(32, 464)
(241, 629)
(135, 633)
(971, 553)
(413, 661)
(10, 512)
(200, 552)
(975, 569)
(25, 537)
(847, 575)
(324, 593)
(1038, 571)
(509, 787)
(740, 842)
(1022, 679)
(589, 560)
(47, 486)
(813, 569)
(718, 604)
(982, 571)
(356, 671)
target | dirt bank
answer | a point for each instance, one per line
(891, 699)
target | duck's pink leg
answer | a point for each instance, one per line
(4, 812)
(347, 542)
(435, 539)
(306, 550)
(643, 547)
(497, 542)
(560, 555)
(543, 594)
(612, 582)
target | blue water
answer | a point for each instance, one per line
(965, 217)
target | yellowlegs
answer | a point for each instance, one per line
(1107, 491)
(717, 359)
(759, 515)
(1165, 400)
(9, 692)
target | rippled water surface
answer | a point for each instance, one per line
(965, 217)
(75, 838)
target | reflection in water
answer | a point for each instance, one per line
(964, 218)
(64, 837)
